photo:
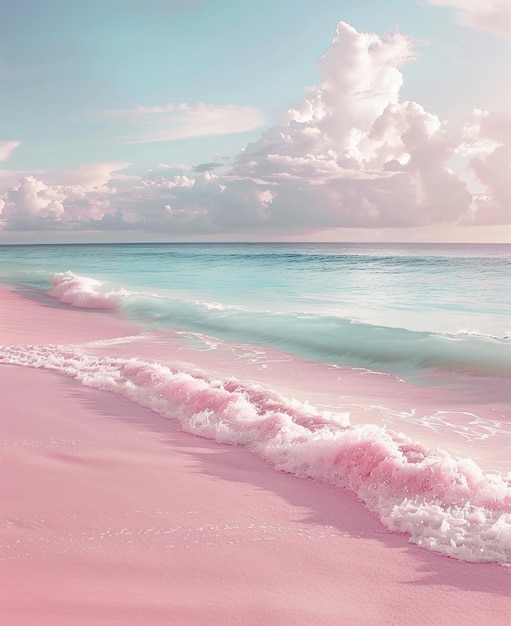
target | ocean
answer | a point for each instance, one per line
(379, 368)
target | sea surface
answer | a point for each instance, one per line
(381, 368)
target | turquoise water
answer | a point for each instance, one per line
(420, 287)
(404, 309)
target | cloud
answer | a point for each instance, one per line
(350, 155)
(86, 175)
(492, 167)
(184, 121)
(81, 199)
(6, 148)
(207, 167)
(491, 15)
(31, 202)
(174, 166)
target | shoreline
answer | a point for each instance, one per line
(31, 317)
(116, 516)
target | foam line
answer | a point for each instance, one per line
(443, 503)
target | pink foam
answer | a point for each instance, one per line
(112, 516)
(444, 503)
(424, 414)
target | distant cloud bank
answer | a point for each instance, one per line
(351, 154)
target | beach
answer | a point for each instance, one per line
(111, 515)
(255, 313)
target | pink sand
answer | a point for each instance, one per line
(29, 317)
(112, 516)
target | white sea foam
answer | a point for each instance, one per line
(84, 292)
(474, 332)
(444, 503)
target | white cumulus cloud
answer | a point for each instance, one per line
(352, 154)
(81, 199)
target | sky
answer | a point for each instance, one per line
(272, 120)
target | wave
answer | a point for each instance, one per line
(330, 339)
(84, 292)
(324, 338)
(443, 503)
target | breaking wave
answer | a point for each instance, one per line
(443, 503)
(324, 338)
(84, 292)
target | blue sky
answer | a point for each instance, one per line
(155, 88)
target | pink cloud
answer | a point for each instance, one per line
(490, 15)
(6, 148)
(493, 168)
(86, 175)
(350, 155)
(30, 200)
(82, 197)
(183, 121)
